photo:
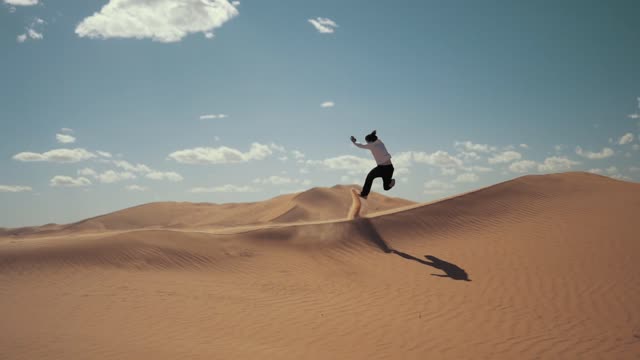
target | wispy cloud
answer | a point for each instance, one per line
(604, 153)
(323, 25)
(14, 188)
(439, 158)
(467, 178)
(556, 163)
(433, 187)
(166, 175)
(136, 188)
(626, 139)
(30, 31)
(56, 155)
(213, 116)
(220, 155)
(228, 188)
(522, 166)
(352, 164)
(104, 154)
(65, 138)
(505, 157)
(327, 104)
(68, 181)
(159, 20)
(21, 2)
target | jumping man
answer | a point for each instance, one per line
(383, 159)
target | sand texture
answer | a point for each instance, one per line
(539, 267)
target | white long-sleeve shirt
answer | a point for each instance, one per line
(378, 150)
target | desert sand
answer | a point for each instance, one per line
(539, 267)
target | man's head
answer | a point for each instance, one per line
(371, 137)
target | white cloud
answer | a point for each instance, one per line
(235, 3)
(220, 155)
(139, 168)
(469, 146)
(524, 146)
(352, 164)
(111, 176)
(625, 139)
(213, 116)
(275, 180)
(433, 187)
(159, 20)
(327, 104)
(297, 154)
(67, 181)
(21, 2)
(635, 147)
(466, 178)
(136, 188)
(634, 169)
(560, 148)
(283, 158)
(522, 166)
(65, 139)
(505, 157)
(604, 153)
(448, 171)
(67, 130)
(228, 188)
(611, 170)
(87, 172)
(556, 163)
(634, 116)
(595, 171)
(439, 158)
(34, 34)
(480, 169)
(14, 188)
(103, 153)
(167, 175)
(323, 25)
(21, 38)
(277, 147)
(56, 155)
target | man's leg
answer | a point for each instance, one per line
(374, 173)
(387, 178)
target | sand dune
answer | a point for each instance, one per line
(316, 204)
(537, 267)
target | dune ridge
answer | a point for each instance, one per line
(536, 267)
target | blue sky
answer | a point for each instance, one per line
(109, 104)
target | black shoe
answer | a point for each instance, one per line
(392, 183)
(364, 197)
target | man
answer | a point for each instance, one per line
(383, 159)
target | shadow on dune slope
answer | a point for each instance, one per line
(451, 270)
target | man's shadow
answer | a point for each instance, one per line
(451, 270)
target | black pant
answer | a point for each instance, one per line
(383, 171)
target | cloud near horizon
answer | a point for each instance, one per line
(56, 155)
(228, 188)
(158, 20)
(68, 181)
(604, 153)
(14, 188)
(220, 155)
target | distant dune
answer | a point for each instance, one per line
(315, 204)
(539, 267)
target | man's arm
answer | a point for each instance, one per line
(361, 146)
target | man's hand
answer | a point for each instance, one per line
(353, 139)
